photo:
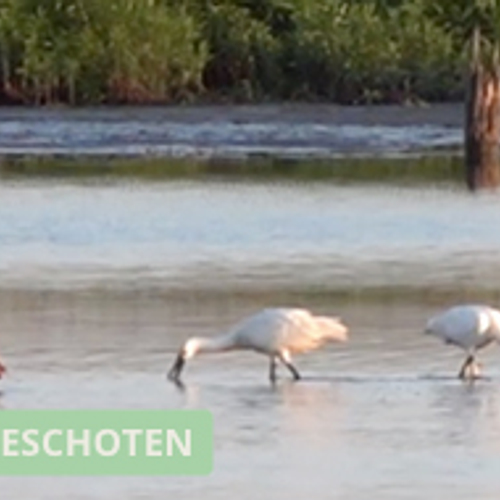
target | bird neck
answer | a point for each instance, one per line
(216, 344)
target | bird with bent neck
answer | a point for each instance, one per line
(470, 327)
(275, 332)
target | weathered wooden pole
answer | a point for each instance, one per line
(482, 119)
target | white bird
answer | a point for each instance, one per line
(470, 327)
(275, 332)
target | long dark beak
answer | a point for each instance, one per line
(175, 372)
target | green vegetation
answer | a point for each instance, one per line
(426, 169)
(148, 51)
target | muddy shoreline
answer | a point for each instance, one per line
(446, 114)
(284, 130)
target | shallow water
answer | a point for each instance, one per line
(229, 131)
(218, 235)
(383, 416)
(101, 283)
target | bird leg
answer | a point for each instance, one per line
(294, 371)
(464, 371)
(272, 369)
(287, 361)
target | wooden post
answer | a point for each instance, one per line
(482, 120)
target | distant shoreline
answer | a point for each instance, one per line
(288, 131)
(445, 114)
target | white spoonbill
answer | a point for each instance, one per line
(470, 327)
(275, 332)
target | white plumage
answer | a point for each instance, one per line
(275, 332)
(470, 327)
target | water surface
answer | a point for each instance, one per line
(383, 416)
(220, 234)
(291, 131)
(102, 281)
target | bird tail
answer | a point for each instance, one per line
(333, 328)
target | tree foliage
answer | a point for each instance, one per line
(88, 51)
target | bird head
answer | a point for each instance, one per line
(190, 348)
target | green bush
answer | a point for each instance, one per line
(122, 50)
(243, 53)
(353, 51)
(350, 52)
